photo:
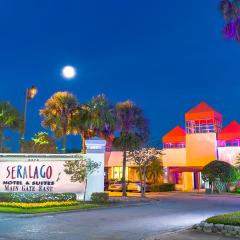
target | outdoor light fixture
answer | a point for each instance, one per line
(30, 94)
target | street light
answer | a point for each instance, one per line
(29, 95)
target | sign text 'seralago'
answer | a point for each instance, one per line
(29, 178)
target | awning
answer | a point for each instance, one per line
(185, 169)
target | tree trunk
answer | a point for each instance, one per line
(83, 142)
(1, 141)
(212, 187)
(85, 190)
(144, 181)
(141, 180)
(64, 143)
(124, 190)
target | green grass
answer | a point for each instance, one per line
(50, 209)
(227, 219)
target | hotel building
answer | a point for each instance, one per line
(187, 151)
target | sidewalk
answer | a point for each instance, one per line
(189, 235)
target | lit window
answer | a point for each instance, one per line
(203, 126)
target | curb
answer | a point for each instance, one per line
(22, 215)
(200, 194)
(217, 195)
(225, 230)
(158, 236)
(176, 193)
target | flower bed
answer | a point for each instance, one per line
(32, 208)
(38, 205)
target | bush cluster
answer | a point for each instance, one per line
(164, 187)
(100, 197)
(37, 197)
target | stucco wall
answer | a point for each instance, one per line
(114, 159)
(174, 157)
(201, 148)
(228, 154)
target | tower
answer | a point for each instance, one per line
(202, 125)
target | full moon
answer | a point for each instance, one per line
(68, 72)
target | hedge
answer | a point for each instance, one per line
(37, 197)
(226, 219)
(99, 197)
(165, 187)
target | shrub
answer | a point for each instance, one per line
(226, 219)
(219, 171)
(100, 197)
(165, 187)
(208, 190)
(37, 197)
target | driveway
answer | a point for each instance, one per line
(168, 214)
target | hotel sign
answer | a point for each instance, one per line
(40, 173)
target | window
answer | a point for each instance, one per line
(203, 126)
(178, 178)
(174, 145)
(117, 173)
(229, 143)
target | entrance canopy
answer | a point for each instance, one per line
(185, 169)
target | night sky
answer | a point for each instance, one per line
(166, 56)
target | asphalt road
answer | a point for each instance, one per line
(168, 214)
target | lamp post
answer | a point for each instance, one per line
(29, 95)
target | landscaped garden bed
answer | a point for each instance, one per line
(28, 208)
(42, 203)
(227, 219)
(225, 224)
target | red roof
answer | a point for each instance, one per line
(230, 132)
(202, 111)
(176, 135)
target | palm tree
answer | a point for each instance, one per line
(58, 113)
(230, 9)
(103, 116)
(81, 123)
(10, 118)
(96, 118)
(155, 170)
(133, 132)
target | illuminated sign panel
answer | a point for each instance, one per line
(44, 173)
(36, 176)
